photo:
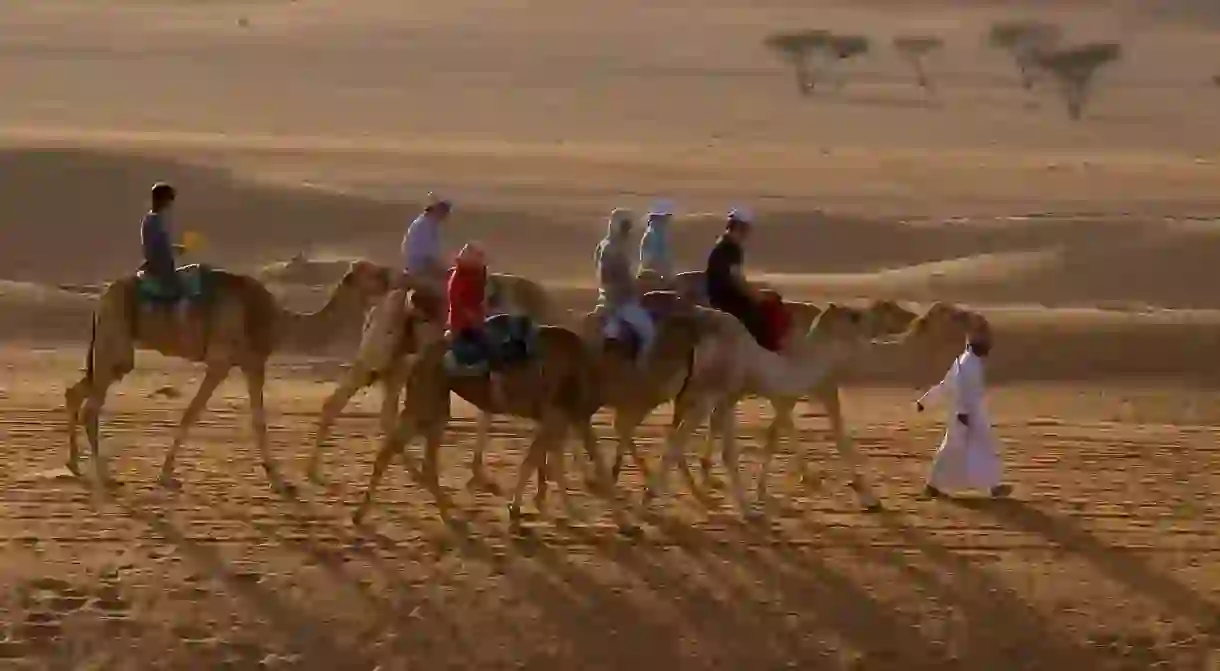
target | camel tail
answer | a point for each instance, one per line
(92, 346)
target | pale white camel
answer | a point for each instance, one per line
(734, 364)
(940, 329)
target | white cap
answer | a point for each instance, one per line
(661, 208)
(742, 214)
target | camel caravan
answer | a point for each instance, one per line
(701, 340)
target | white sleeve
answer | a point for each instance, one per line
(946, 386)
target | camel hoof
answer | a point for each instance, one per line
(170, 482)
(314, 475)
(514, 513)
(358, 518)
(74, 468)
(754, 515)
(712, 482)
(874, 507)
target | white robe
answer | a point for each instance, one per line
(968, 457)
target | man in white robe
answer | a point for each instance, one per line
(968, 458)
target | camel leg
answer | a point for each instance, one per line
(482, 437)
(256, 381)
(783, 418)
(90, 413)
(555, 466)
(356, 379)
(212, 378)
(709, 446)
(391, 444)
(624, 428)
(848, 453)
(74, 399)
(432, 448)
(596, 481)
(535, 457)
(696, 409)
(730, 455)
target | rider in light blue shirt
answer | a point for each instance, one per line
(655, 256)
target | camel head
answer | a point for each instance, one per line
(887, 318)
(948, 326)
(370, 280)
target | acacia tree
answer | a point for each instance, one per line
(914, 49)
(1074, 68)
(841, 48)
(800, 49)
(1024, 40)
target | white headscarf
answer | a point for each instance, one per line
(615, 241)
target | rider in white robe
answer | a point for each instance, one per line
(968, 457)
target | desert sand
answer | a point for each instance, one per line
(317, 127)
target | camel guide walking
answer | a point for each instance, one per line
(968, 457)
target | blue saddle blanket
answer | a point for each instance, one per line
(505, 340)
(193, 285)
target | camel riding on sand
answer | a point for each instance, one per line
(233, 321)
(550, 378)
(391, 336)
(734, 365)
(893, 328)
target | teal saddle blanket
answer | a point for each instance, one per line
(196, 283)
(505, 340)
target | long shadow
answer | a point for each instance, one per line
(1123, 567)
(303, 634)
(810, 587)
(1016, 630)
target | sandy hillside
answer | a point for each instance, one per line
(317, 126)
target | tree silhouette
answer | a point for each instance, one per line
(839, 48)
(914, 49)
(1074, 68)
(1024, 40)
(799, 50)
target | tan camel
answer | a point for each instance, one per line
(386, 346)
(734, 364)
(556, 387)
(880, 318)
(942, 328)
(237, 322)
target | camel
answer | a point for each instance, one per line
(236, 322)
(556, 387)
(385, 347)
(734, 365)
(941, 327)
(881, 318)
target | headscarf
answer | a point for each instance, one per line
(654, 245)
(615, 241)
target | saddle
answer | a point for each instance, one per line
(507, 340)
(195, 280)
(777, 315)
